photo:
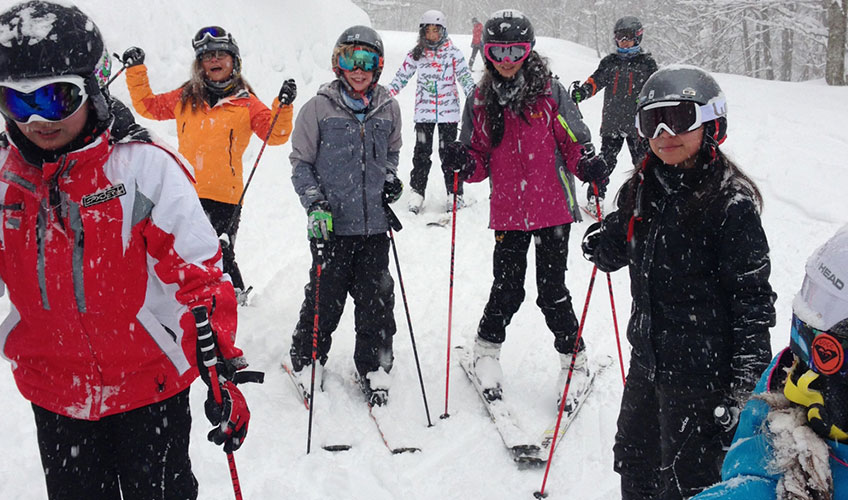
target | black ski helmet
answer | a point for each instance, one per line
(629, 26)
(67, 42)
(688, 83)
(211, 38)
(364, 36)
(508, 26)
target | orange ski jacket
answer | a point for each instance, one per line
(213, 139)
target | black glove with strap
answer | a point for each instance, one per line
(579, 92)
(590, 167)
(392, 189)
(288, 91)
(456, 160)
(133, 56)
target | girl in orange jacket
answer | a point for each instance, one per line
(216, 113)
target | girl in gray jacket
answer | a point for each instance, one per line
(345, 150)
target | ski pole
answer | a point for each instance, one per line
(206, 344)
(450, 293)
(318, 265)
(612, 299)
(123, 67)
(237, 211)
(541, 493)
(397, 226)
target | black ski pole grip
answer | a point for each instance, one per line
(394, 222)
(205, 338)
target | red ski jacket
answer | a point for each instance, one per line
(103, 254)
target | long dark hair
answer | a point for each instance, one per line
(537, 76)
(721, 175)
(195, 91)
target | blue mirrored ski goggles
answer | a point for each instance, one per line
(47, 99)
(359, 59)
(211, 34)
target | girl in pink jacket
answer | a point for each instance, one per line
(521, 140)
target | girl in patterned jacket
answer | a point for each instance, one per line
(440, 65)
(104, 249)
(216, 112)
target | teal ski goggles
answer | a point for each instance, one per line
(359, 59)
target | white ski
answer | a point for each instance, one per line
(522, 447)
(391, 429)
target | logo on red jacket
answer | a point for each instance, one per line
(104, 196)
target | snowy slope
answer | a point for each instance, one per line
(790, 137)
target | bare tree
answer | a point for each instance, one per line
(836, 27)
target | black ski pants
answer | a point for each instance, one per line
(475, 49)
(610, 146)
(220, 214)
(141, 454)
(359, 266)
(421, 162)
(509, 267)
(668, 446)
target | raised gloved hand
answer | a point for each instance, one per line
(590, 167)
(133, 56)
(578, 92)
(320, 225)
(231, 416)
(392, 189)
(288, 91)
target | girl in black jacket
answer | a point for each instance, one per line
(688, 227)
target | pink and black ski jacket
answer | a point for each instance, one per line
(103, 253)
(529, 185)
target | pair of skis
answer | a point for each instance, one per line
(526, 451)
(391, 434)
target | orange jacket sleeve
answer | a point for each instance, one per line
(261, 118)
(145, 102)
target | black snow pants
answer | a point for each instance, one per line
(359, 266)
(142, 453)
(668, 446)
(421, 162)
(610, 146)
(220, 214)
(509, 267)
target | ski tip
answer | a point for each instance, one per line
(337, 447)
(398, 451)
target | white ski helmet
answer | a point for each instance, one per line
(823, 299)
(435, 17)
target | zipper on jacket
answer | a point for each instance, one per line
(230, 151)
(615, 83)
(364, 187)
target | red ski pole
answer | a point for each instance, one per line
(319, 264)
(612, 299)
(450, 293)
(206, 344)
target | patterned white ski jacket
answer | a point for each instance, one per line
(439, 71)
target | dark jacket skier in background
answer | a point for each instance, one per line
(104, 249)
(688, 227)
(792, 439)
(345, 151)
(622, 74)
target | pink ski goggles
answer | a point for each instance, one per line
(507, 52)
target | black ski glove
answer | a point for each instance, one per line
(456, 160)
(288, 92)
(392, 189)
(591, 240)
(592, 168)
(133, 56)
(579, 92)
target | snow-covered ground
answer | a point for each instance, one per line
(789, 137)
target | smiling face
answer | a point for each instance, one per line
(217, 65)
(358, 79)
(51, 136)
(680, 149)
(432, 33)
(508, 69)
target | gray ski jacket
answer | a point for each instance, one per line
(338, 159)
